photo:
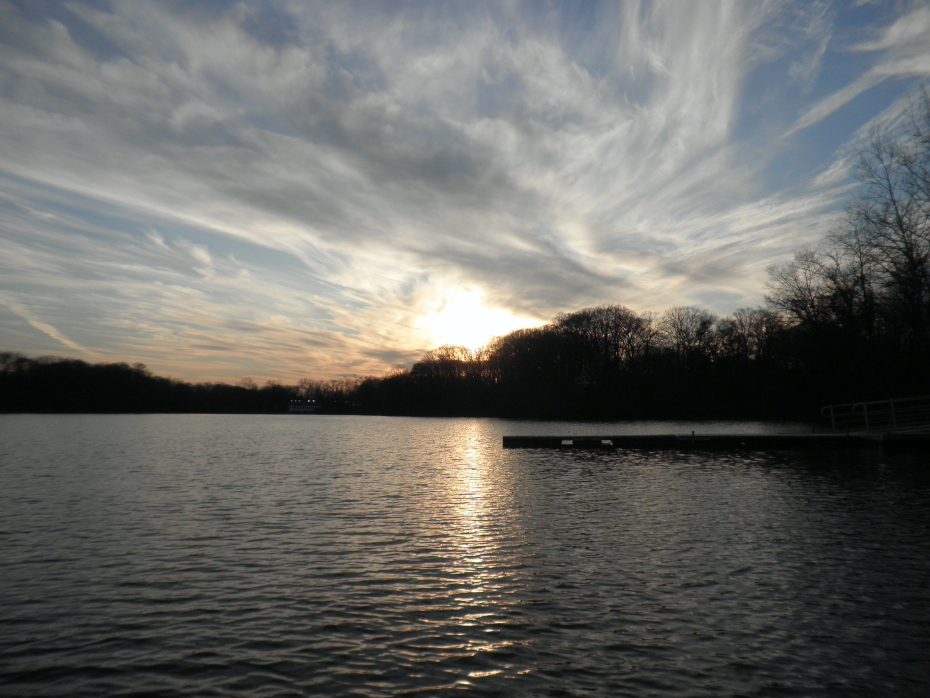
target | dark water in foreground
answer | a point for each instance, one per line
(331, 556)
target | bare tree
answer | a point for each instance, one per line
(893, 224)
(447, 361)
(306, 389)
(613, 334)
(689, 331)
(890, 218)
(748, 333)
(917, 160)
(796, 287)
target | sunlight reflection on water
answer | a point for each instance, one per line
(229, 555)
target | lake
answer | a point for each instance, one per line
(183, 555)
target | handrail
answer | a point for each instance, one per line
(893, 415)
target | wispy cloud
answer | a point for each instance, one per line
(280, 189)
(43, 327)
(905, 50)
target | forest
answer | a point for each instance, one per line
(847, 320)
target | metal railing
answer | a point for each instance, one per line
(898, 415)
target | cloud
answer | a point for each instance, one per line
(296, 188)
(43, 327)
(905, 33)
(817, 26)
(905, 45)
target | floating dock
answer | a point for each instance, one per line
(756, 442)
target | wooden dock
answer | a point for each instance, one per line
(756, 442)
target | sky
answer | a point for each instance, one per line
(297, 189)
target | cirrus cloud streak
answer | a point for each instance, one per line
(289, 189)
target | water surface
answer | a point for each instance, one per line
(307, 555)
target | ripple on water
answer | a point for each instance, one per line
(232, 555)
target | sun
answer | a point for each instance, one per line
(464, 320)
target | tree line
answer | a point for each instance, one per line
(53, 384)
(848, 320)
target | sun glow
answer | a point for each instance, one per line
(464, 320)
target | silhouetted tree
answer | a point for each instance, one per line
(849, 320)
(689, 332)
